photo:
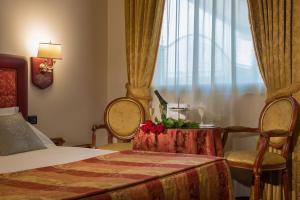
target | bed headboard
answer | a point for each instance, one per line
(14, 82)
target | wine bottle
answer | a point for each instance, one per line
(162, 105)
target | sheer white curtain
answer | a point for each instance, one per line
(206, 57)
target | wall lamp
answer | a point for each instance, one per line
(42, 65)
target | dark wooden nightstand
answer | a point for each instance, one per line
(58, 141)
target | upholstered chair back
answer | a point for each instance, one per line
(123, 117)
(279, 114)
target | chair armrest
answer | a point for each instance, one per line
(95, 127)
(264, 144)
(276, 133)
(261, 150)
(236, 129)
(98, 126)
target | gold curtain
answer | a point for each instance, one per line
(143, 19)
(271, 24)
(276, 34)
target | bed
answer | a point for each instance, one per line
(80, 173)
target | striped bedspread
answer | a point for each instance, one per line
(126, 175)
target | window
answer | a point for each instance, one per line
(205, 45)
(206, 55)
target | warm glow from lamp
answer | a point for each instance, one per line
(37, 32)
(49, 50)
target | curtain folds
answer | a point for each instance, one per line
(271, 24)
(274, 25)
(143, 21)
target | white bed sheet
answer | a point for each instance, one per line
(47, 157)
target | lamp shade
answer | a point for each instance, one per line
(49, 50)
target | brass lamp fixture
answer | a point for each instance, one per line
(42, 66)
(49, 51)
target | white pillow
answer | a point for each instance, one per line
(9, 111)
(45, 140)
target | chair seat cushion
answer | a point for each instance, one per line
(270, 161)
(117, 146)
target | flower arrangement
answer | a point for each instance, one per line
(176, 123)
(149, 126)
(160, 126)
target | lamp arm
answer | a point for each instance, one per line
(47, 66)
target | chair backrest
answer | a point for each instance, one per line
(123, 117)
(279, 114)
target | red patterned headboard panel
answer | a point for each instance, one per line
(8, 88)
(14, 82)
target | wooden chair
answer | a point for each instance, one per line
(276, 127)
(122, 119)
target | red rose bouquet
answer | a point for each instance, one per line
(149, 126)
(160, 128)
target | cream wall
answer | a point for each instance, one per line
(78, 96)
(117, 67)
(116, 56)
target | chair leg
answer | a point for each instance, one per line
(285, 182)
(257, 185)
(110, 138)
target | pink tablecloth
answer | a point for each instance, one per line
(205, 141)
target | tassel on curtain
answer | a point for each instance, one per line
(143, 21)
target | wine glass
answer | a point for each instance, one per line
(201, 110)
